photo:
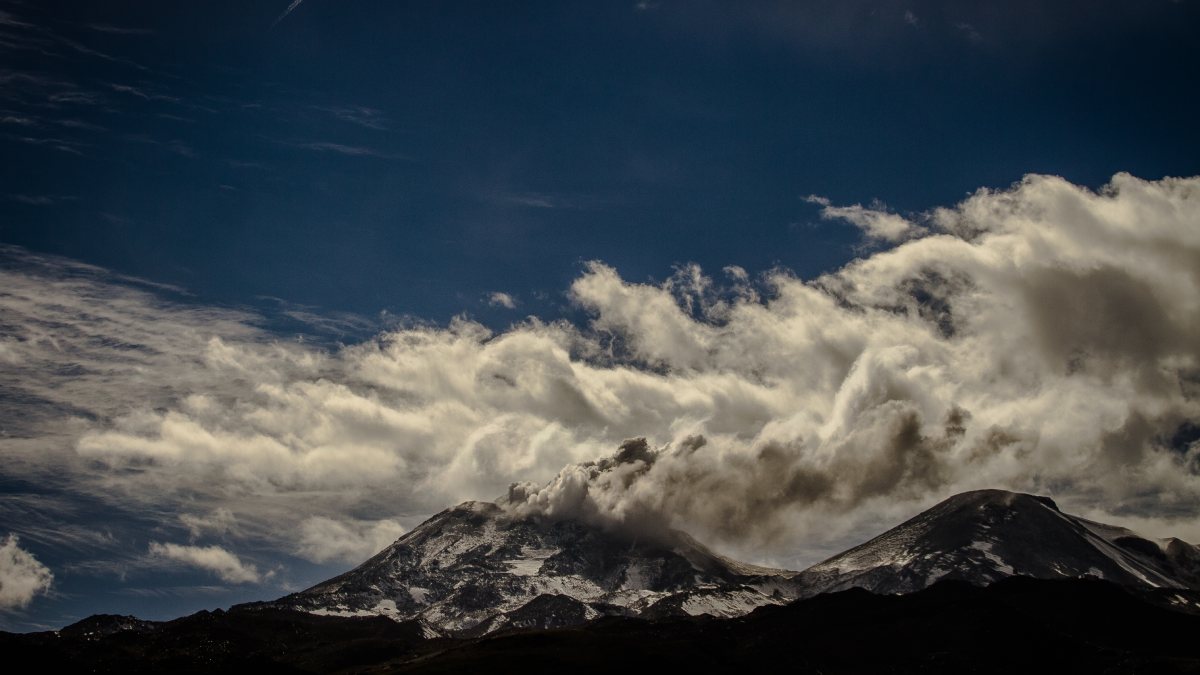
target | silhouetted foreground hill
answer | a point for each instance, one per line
(1014, 625)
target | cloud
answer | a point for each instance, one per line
(1045, 340)
(360, 115)
(220, 521)
(547, 200)
(340, 149)
(500, 299)
(532, 200)
(9, 20)
(61, 144)
(34, 200)
(21, 575)
(227, 566)
(969, 31)
(353, 541)
(119, 30)
(21, 34)
(1042, 337)
(141, 93)
(79, 124)
(290, 8)
(875, 222)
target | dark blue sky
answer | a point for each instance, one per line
(360, 157)
(415, 156)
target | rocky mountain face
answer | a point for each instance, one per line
(473, 569)
(987, 535)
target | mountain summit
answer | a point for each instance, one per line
(986, 535)
(474, 569)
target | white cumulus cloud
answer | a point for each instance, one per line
(876, 222)
(227, 566)
(501, 299)
(22, 576)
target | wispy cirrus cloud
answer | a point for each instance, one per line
(359, 115)
(18, 120)
(23, 34)
(67, 145)
(40, 200)
(119, 30)
(175, 145)
(141, 93)
(79, 124)
(343, 149)
(546, 200)
(33, 91)
(533, 200)
(290, 8)
(219, 521)
(7, 19)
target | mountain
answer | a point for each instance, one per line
(1017, 625)
(473, 569)
(472, 588)
(987, 535)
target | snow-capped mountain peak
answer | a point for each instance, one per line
(474, 568)
(986, 535)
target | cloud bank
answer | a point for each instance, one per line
(21, 575)
(1043, 337)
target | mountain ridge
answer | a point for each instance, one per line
(944, 591)
(475, 568)
(1062, 626)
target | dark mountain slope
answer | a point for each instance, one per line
(1014, 625)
